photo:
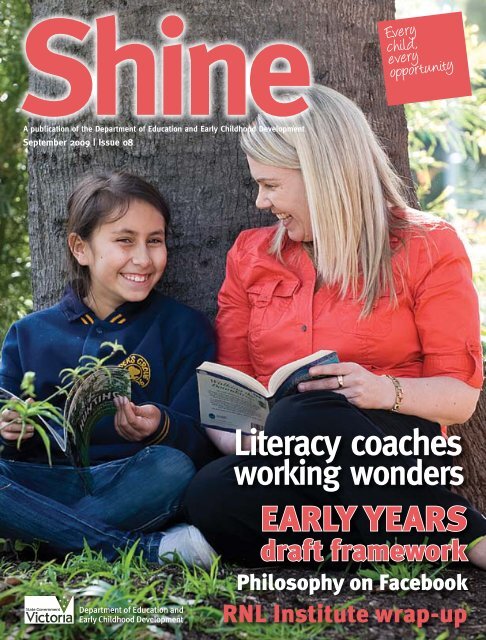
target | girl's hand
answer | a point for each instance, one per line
(11, 426)
(135, 423)
(361, 387)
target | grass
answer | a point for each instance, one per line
(127, 583)
(176, 589)
(130, 583)
(400, 570)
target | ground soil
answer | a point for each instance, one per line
(473, 601)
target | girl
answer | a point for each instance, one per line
(348, 267)
(142, 460)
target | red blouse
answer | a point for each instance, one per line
(269, 313)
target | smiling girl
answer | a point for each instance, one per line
(143, 459)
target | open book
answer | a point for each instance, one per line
(231, 400)
(89, 399)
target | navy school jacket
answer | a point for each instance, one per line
(164, 341)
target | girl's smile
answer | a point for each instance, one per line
(133, 277)
(126, 258)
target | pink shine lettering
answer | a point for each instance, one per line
(160, 73)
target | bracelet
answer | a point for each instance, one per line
(398, 393)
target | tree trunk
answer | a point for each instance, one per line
(204, 176)
(473, 458)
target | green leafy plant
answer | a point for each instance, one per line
(440, 127)
(403, 569)
(201, 584)
(447, 151)
(87, 365)
(29, 410)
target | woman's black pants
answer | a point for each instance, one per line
(230, 516)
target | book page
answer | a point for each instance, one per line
(92, 400)
(227, 405)
(286, 378)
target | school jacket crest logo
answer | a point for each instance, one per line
(138, 369)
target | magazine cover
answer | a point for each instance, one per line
(154, 155)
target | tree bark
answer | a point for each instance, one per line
(204, 176)
(473, 458)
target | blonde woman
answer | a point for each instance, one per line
(349, 267)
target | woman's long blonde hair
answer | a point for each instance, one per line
(351, 189)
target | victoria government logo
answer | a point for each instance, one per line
(47, 610)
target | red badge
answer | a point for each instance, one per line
(424, 58)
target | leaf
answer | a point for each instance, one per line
(127, 559)
(46, 441)
(27, 385)
(369, 573)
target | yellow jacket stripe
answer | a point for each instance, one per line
(163, 433)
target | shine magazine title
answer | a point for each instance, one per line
(160, 75)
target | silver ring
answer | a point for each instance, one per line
(340, 380)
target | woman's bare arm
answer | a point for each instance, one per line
(440, 399)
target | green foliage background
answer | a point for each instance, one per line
(15, 288)
(447, 144)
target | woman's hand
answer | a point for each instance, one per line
(135, 423)
(11, 426)
(361, 387)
